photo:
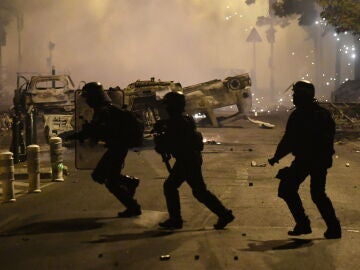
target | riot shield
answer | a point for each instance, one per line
(87, 153)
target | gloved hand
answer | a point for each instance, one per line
(272, 161)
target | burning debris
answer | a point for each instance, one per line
(347, 119)
(348, 92)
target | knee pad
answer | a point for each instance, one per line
(109, 185)
(115, 187)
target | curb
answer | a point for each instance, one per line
(45, 173)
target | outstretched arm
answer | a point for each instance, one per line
(285, 145)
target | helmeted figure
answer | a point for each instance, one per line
(309, 136)
(177, 137)
(107, 125)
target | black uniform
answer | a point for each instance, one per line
(309, 136)
(105, 126)
(108, 125)
(184, 143)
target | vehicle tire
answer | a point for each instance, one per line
(234, 84)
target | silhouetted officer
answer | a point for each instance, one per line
(177, 136)
(309, 136)
(106, 125)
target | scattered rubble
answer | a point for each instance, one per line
(211, 142)
(255, 164)
(165, 257)
(261, 123)
(347, 119)
(347, 92)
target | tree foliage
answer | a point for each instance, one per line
(306, 10)
(342, 15)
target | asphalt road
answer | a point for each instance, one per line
(73, 224)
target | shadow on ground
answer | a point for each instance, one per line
(285, 244)
(143, 235)
(57, 226)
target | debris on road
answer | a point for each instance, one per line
(211, 142)
(196, 257)
(261, 123)
(255, 164)
(347, 164)
(165, 257)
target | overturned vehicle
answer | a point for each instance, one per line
(144, 97)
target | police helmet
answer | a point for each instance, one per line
(91, 88)
(175, 101)
(304, 89)
(95, 94)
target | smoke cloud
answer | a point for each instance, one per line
(117, 42)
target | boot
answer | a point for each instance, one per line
(224, 220)
(333, 231)
(171, 224)
(130, 212)
(301, 228)
(131, 183)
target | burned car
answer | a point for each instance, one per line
(53, 93)
(50, 97)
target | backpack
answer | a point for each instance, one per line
(134, 129)
(129, 127)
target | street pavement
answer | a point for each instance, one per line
(73, 224)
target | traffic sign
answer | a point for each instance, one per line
(254, 36)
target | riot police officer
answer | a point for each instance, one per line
(309, 136)
(177, 137)
(106, 125)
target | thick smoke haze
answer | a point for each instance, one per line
(119, 41)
